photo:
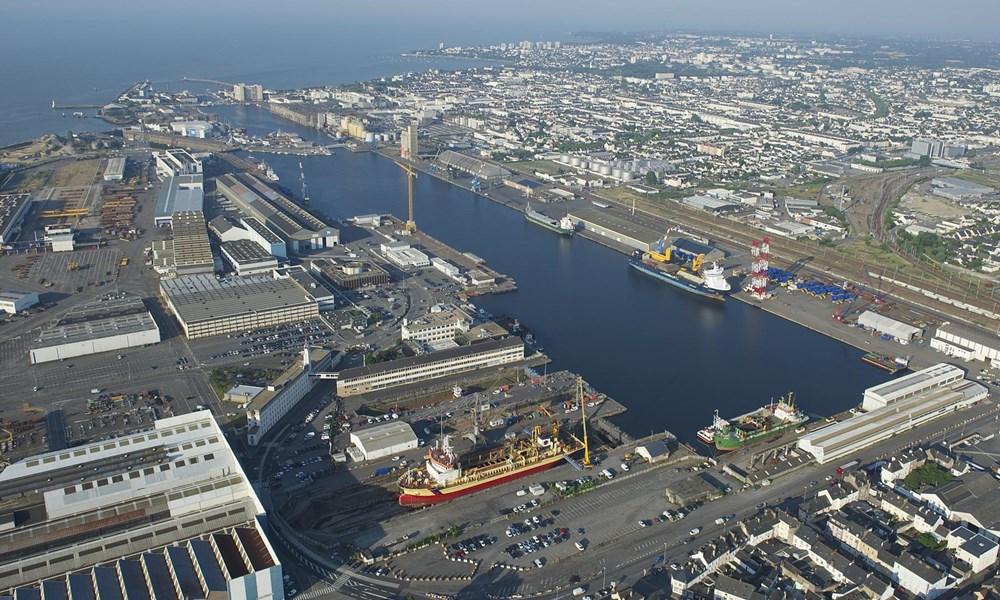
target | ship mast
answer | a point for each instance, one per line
(583, 417)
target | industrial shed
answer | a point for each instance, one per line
(654, 451)
(384, 440)
(903, 333)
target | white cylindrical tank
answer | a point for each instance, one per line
(627, 176)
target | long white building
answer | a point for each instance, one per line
(162, 513)
(933, 393)
(273, 403)
(426, 367)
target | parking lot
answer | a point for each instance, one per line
(277, 344)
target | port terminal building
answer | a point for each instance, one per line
(111, 322)
(380, 441)
(967, 344)
(895, 407)
(205, 305)
(427, 367)
(272, 403)
(298, 227)
(163, 513)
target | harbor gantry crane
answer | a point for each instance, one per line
(411, 174)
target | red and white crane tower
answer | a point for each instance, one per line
(760, 253)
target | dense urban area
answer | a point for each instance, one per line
(212, 388)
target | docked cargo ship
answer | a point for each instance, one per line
(767, 421)
(444, 477)
(888, 363)
(711, 283)
(563, 226)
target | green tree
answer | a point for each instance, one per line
(651, 178)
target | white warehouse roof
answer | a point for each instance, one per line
(883, 324)
(385, 437)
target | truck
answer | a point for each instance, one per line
(844, 468)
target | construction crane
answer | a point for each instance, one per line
(411, 174)
(660, 251)
(696, 263)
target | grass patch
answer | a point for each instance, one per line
(927, 476)
(542, 166)
(224, 378)
(929, 542)
(979, 177)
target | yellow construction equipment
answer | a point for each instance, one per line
(660, 251)
(73, 266)
(696, 263)
(583, 418)
(62, 214)
(123, 262)
(411, 174)
(28, 408)
(545, 411)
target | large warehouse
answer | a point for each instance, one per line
(165, 513)
(620, 228)
(904, 333)
(434, 365)
(206, 306)
(919, 402)
(112, 322)
(179, 194)
(301, 229)
(904, 387)
(383, 440)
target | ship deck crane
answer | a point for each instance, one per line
(411, 174)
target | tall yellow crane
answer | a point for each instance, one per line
(583, 417)
(411, 174)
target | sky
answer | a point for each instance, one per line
(467, 21)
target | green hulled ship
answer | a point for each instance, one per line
(767, 421)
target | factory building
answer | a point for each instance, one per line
(426, 367)
(188, 251)
(248, 258)
(181, 193)
(897, 406)
(351, 275)
(316, 289)
(176, 161)
(524, 185)
(966, 344)
(620, 228)
(409, 146)
(282, 395)
(13, 208)
(252, 230)
(300, 230)
(711, 204)
(163, 513)
(13, 302)
(112, 322)
(488, 173)
(115, 169)
(387, 439)
(440, 325)
(904, 333)
(207, 306)
(404, 256)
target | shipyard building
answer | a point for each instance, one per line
(426, 367)
(174, 162)
(166, 513)
(300, 230)
(12, 302)
(207, 306)
(250, 229)
(115, 169)
(179, 194)
(894, 407)
(188, 251)
(112, 322)
(248, 258)
(271, 404)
